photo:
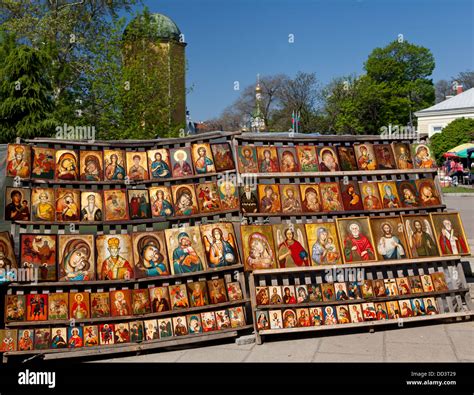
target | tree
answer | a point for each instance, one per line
(457, 132)
(466, 79)
(443, 89)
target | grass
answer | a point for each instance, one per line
(457, 190)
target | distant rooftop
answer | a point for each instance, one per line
(458, 103)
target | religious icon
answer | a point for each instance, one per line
(408, 193)
(311, 198)
(79, 305)
(389, 238)
(422, 157)
(91, 206)
(208, 197)
(365, 156)
(149, 254)
(237, 317)
(450, 234)
(76, 257)
(323, 243)
(18, 207)
(302, 295)
(121, 303)
(159, 163)
(393, 309)
(161, 201)
(353, 290)
(329, 294)
(289, 318)
(269, 198)
(417, 307)
(267, 160)
(197, 292)
(151, 329)
(341, 291)
(220, 244)
(137, 166)
(288, 160)
(25, 339)
(59, 338)
(222, 319)
(307, 159)
(185, 250)
(106, 334)
(330, 315)
(389, 194)
(262, 296)
(384, 157)
(369, 312)
(181, 162)
(74, 337)
(114, 165)
(431, 307)
(316, 316)
(292, 250)
(228, 194)
(420, 236)
(217, 291)
(15, 308)
(439, 281)
(351, 197)
(381, 311)
(402, 155)
(139, 203)
(234, 291)
(202, 158)
(331, 196)
(194, 323)
(137, 331)
(100, 304)
(165, 328)
(257, 242)
(427, 283)
(91, 336)
(327, 159)
(366, 289)
(91, 165)
(122, 333)
(178, 296)
(263, 320)
(18, 160)
(428, 193)
(140, 302)
(356, 239)
(355, 312)
(290, 199)
(68, 202)
(276, 320)
(43, 163)
(416, 286)
(347, 158)
(223, 157)
(379, 288)
(370, 196)
(247, 158)
(36, 307)
(315, 293)
(208, 320)
(115, 204)
(8, 339)
(160, 299)
(180, 326)
(390, 287)
(276, 296)
(7, 253)
(184, 198)
(343, 314)
(67, 167)
(114, 257)
(248, 199)
(403, 286)
(58, 306)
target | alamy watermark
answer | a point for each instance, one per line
(22, 274)
(400, 132)
(69, 132)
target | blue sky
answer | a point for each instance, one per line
(233, 40)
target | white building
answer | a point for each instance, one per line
(433, 119)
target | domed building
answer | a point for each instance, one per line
(158, 38)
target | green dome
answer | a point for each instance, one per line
(154, 26)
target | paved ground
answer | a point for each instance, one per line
(449, 342)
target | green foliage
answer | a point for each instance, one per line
(457, 132)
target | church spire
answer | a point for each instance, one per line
(258, 121)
